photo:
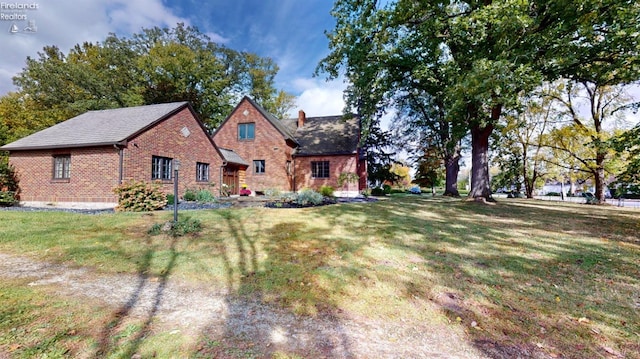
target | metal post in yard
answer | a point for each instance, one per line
(176, 168)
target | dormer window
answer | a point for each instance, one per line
(246, 131)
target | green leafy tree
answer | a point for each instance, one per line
(402, 173)
(424, 130)
(603, 105)
(21, 116)
(153, 66)
(9, 183)
(381, 156)
(429, 169)
(520, 144)
(280, 105)
(629, 179)
(490, 52)
(573, 153)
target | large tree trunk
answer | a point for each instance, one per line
(572, 187)
(480, 182)
(529, 185)
(452, 168)
(599, 177)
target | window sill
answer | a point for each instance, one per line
(60, 180)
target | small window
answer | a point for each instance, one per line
(202, 172)
(258, 166)
(246, 131)
(320, 169)
(62, 167)
(161, 168)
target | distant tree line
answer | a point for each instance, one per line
(157, 65)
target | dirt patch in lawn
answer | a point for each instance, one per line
(221, 325)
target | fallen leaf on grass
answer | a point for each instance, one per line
(611, 351)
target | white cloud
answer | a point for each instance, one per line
(65, 23)
(325, 98)
(319, 98)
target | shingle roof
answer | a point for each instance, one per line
(329, 135)
(95, 128)
(232, 157)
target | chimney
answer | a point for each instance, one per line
(301, 118)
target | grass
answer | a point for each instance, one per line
(560, 279)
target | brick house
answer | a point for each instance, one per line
(84, 158)
(290, 154)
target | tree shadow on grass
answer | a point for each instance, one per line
(126, 340)
(273, 300)
(523, 280)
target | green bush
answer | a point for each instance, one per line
(377, 191)
(184, 225)
(189, 195)
(386, 189)
(7, 198)
(140, 197)
(272, 192)
(288, 197)
(327, 191)
(9, 188)
(205, 196)
(308, 196)
(170, 199)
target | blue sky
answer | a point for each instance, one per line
(291, 32)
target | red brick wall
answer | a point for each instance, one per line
(95, 171)
(93, 175)
(167, 140)
(268, 145)
(337, 165)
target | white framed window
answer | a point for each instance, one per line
(61, 167)
(258, 167)
(161, 168)
(202, 172)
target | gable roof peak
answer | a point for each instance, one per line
(273, 120)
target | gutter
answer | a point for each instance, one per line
(120, 162)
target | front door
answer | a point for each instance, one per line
(231, 179)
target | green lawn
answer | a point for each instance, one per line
(560, 279)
